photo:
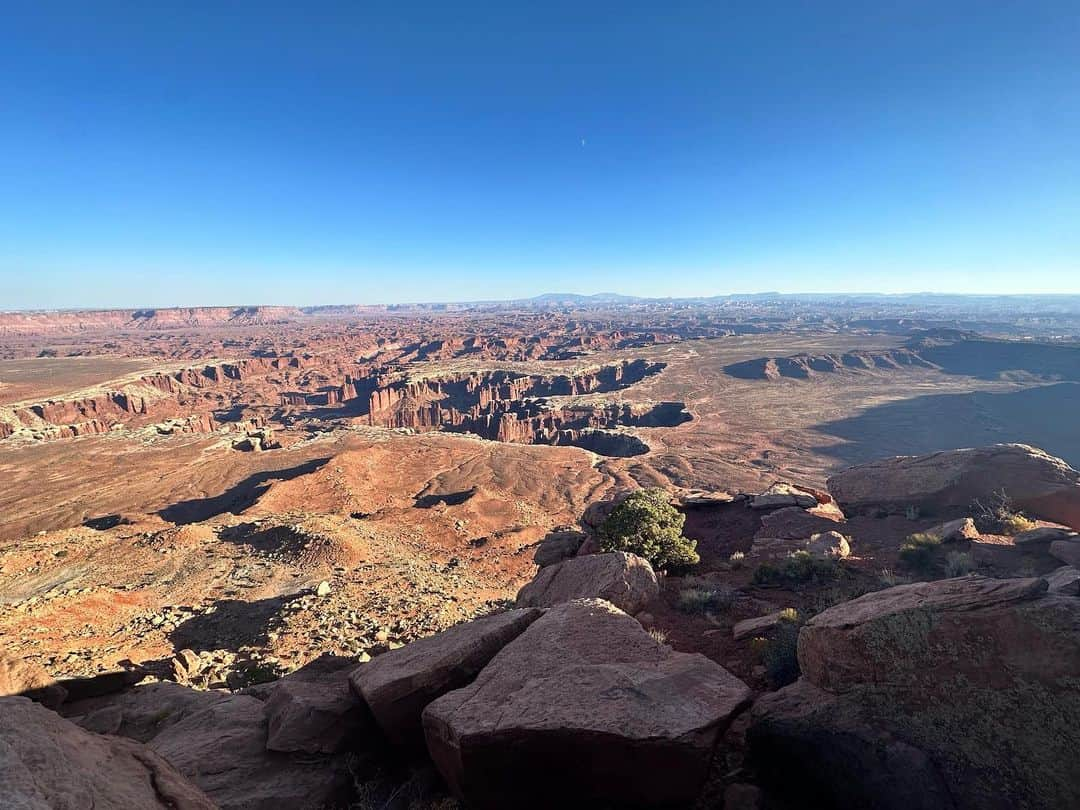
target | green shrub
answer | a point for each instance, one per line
(912, 512)
(705, 600)
(918, 551)
(646, 524)
(779, 651)
(998, 516)
(800, 568)
(958, 563)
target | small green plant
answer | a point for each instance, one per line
(999, 516)
(648, 525)
(912, 512)
(918, 551)
(779, 653)
(799, 568)
(704, 600)
(958, 563)
(737, 559)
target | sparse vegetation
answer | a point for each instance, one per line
(958, 563)
(999, 516)
(648, 525)
(800, 568)
(912, 512)
(658, 635)
(737, 559)
(890, 578)
(706, 599)
(918, 552)
(778, 653)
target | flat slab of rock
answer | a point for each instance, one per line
(954, 530)
(856, 642)
(397, 685)
(1039, 484)
(1044, 536)
(222, 749)
(1064, 580)
(625, 580)
(584, 708)
(826, 545)
(142, 712)
(781, 495)
(315, 716)
(795, 523)
(1068, 551)
(49, 763)
(761, 626)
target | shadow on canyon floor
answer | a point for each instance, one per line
(233, 625)
(237, 498)
(1045, 417)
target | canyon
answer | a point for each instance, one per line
(229, 503)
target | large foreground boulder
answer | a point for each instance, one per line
(583, 709)
(222, 749)
(625, 580)
(821, 752)
(397, 685)
(48, 763)
(1039, 484)
(979, 675)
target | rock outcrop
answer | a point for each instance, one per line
(625, 580)
(583, 709)
(971, 679)
(557, 546)
(21, 677)
(222, 749)
(48, 763)
(1039, 484)
(399, 684)
(318, 715)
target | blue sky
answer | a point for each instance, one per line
(156, 154)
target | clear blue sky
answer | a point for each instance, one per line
(182, 153)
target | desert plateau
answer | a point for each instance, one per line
(226, 516)
(540, 406)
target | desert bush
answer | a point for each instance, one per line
(958, 563)
(800, 568)
(891, 578)
(658, 635)
(779, 650)
(918, 551)
(999, 516)
(646, 524)
(912, 513)
(705, 600)
(737, 559)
